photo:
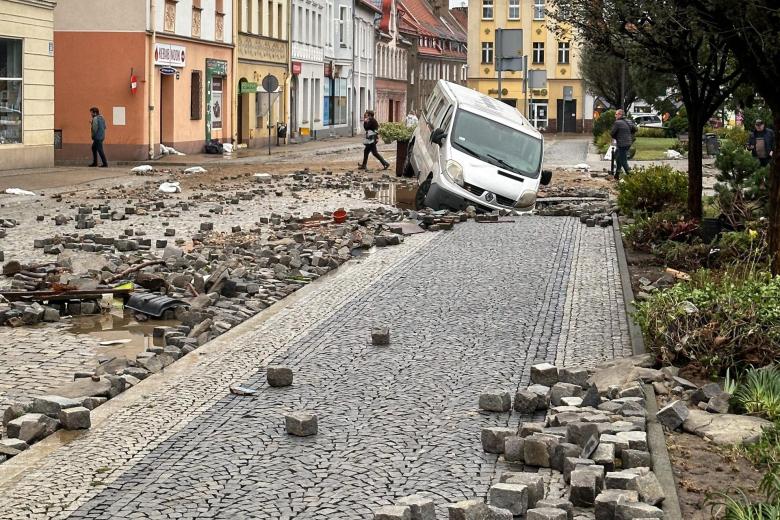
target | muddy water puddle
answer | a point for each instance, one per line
(393, 194)
(120, 334)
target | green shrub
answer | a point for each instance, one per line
(748, 247)
(678, 124)
(757, 112)
(603, 142)
(683, 255)
(736, 134)
(758, 392)
(651, 189)
(390, 132)
(717, 320)
(742, 193)
(650, 132)
(603, 123)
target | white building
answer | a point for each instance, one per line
(308, 69)
(338, 66)
(363, 66)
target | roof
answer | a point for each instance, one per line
(373, 5)
(479, 103)
(461, 15)
(418, 18)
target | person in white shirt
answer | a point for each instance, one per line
(411, 119)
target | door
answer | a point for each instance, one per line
(293, 107)
(242, 117)
(390, 112)
(167, 101)
(567, 115)
(539, 114)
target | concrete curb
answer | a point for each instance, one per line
(662, 465)
(637, 341)
(656, 439)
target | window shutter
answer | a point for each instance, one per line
(196, 95)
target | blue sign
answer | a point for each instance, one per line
(167, 71)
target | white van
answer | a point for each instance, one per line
(471, 149)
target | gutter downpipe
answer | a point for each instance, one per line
(289, 75)
(150, 74)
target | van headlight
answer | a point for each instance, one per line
(527, 200)
(455, 172)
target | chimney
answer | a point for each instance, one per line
(438, 6)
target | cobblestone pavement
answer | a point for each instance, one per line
(468, 309)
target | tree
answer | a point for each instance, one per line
(750, 30)
(617, 81)
(663, 37)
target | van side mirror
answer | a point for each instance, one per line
(438, 136)
(546, 177)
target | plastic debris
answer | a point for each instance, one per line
(169, 150)
(673, 154)
(170, 187)
(196, 169)
(227, 148)
(582, 166)
(18, 191)
(243, 390)
(142, 169)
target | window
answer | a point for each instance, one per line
(487, 9)
(10, 91)
(342, 25)
(538, 9)
(279, 30)
(305, 119)
(514, 9)
(487, 52)
(196, 95)
(169, 20)
(300, 24)
(538, 54)
(563, 52)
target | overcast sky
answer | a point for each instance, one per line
(458, 3)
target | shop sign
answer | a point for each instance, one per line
(247, 88)
(167, 71)
(216, 67)
(296, 67)
(169, 55)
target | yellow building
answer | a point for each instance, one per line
(262, 48)
(26, 83)
(561, 104)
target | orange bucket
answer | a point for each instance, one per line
(339, 216)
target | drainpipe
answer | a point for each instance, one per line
(353, 90)
(150, 72)
(289, 75)
(234, 122)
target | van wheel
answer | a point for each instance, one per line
(422, 192)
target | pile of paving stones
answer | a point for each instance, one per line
(593, 440)
(584, 203)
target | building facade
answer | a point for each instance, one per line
(438, 48)
(363, 70)
(560, 103)
(160, 71)
(307, 67)
(262, 50)
(26, 84)
(391, 66)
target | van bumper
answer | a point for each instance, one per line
(440, 197)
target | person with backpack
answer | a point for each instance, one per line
(623, 133)
(371, 126)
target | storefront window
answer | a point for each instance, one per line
(327, 113)
(216, 103)
(340, 99)
(10, 91)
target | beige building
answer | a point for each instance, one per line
(262, 49)
(26, 83)
(561, 103)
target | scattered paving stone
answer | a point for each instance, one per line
(546, 513)
(574, 376)
(75, 418)
(544, 374)
(557, 503)
(513, 448)
(725, 429)
(570, 464)
(493, 438)
(393, 513)
(301, 424)
(380, 336)
(650, 490)
(532, 481)
(542, 395)
(561, 390)
(582, 492)
(621, 480)
(279, 376)
(635, 440)
(495, 401)
(537, 449)
(563, 451)
(513, 497)
(636, 459)
(634, 510)
(606, 502)
(51, 405)
(31, 427)
(605, 456)
(526, 402)
(673, 415)
(421, 508)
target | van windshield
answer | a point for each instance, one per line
(497, 144)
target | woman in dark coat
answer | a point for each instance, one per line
(371, 127)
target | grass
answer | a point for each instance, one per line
(652, 148)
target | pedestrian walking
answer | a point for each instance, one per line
(98, 136)
(623, 134)
(371, 127)
(762, 142)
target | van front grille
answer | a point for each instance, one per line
(500, 199)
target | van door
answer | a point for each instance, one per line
(426, 151)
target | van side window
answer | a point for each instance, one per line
(430, 106)
(445, 121)
(438, 112)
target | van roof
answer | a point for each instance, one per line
(480, 103)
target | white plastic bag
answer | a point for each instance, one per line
(673, 154)
(196, 169)
(227, 148)
(145, 168)
(18, 191)
(170, 187)
(608, 155)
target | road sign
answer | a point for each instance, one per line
(270, 83)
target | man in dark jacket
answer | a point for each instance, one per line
(371, 126)
(762, 143)
(623, 134)
(98, 135)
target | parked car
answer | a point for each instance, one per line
(472, 150)
(648, 120)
